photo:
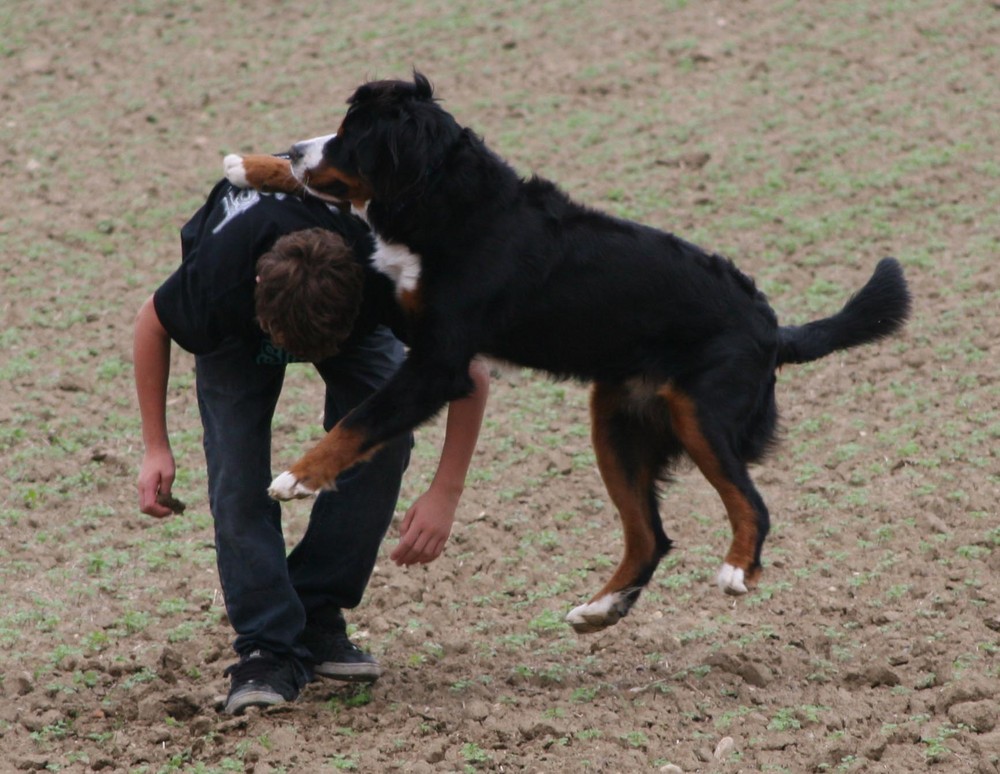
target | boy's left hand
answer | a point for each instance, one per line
(425, 529)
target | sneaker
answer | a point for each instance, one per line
(260, 680)
(339, 658)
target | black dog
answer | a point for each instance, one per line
(680, 345)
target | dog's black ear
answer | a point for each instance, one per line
(422, 86)
(406, 149)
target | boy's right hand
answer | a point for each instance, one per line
(425, 529)
(156, 477)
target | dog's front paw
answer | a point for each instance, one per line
(288, 487)
(235, 171)
(732, 580)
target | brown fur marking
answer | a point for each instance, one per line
(320, 178)
(742, 517)
(411, 301)
(630, 498)
(337, 451)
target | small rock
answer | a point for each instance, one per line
(559, 462)
(778, 741)
(755, 674)
(935, 523)
(37, 63)
(285, 737)
(71, 383)
(906, 733)
(45, 719)
(477, 710)
(151, 709)
(686, 161)
(23, 684)
(724, 748)
(181, 706)
(436, 752)
(832, 753)
(170, 658)
(671, 768)
(159, 733)
(875, 747)
(31, 763)
(724, 662)
(959, 693)
(980, 716)
(537, 731)
(873, 676)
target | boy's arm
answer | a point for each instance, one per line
(427, 524)
(151, 359)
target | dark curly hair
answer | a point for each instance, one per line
(308, 293)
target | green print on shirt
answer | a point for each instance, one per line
(271, 354)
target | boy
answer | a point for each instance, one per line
(316, 300)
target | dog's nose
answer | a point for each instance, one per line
(295, 153)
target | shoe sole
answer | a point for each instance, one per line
(258, 698)
(350, 673)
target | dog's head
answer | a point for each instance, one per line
(392, 138)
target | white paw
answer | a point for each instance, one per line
(599, 614)
(232, 166)
(731, 580)
(287, 487)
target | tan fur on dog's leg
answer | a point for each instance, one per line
(318, 468)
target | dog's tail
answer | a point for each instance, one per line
(878, 310)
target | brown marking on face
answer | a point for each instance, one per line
(326, 179)
(742, 515)
(337, 451)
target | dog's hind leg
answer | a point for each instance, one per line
(706, 442)
(630, 457)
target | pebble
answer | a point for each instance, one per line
(436, 752)
(23, 684)
(960, 693)
(755, 674)
(151, 709)
(980, 716)
(724, 748)
(32, 763)
(38, 722)
(477, 710)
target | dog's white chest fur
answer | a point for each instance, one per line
(398, 263)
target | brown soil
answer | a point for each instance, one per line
(806, 140)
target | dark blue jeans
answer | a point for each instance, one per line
(270, 597)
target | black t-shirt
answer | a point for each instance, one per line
(211, 294)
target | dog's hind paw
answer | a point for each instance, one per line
(732, 580)
(236, 173)
(599, 614)
(288, 487)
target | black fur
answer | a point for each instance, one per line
(515, 269)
